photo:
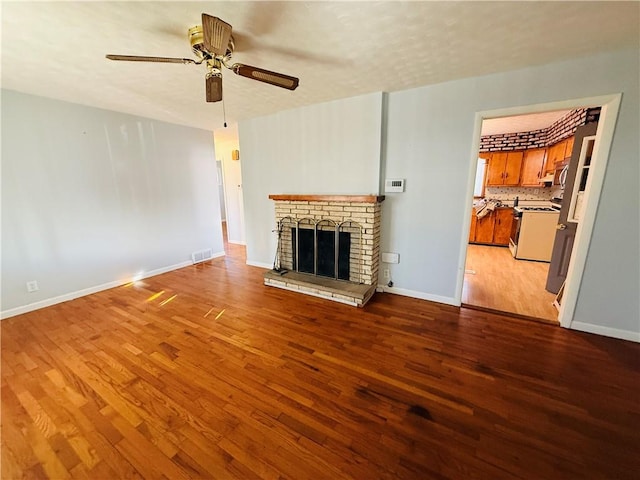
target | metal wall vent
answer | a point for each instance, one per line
(202, 255)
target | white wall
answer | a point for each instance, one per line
(91, 198)
(428, 140)
(226, 140)
(331, 148)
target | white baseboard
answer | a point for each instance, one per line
(606, 331)
(420, 295)
(218, 254)
(268, 266)
(237, 242)
(87, 291)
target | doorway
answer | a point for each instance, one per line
(228, 152)
(222, 196)
(610, 105)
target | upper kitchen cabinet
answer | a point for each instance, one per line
(558, 153)
(504, 168)
(533, 167)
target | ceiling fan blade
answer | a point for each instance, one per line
(213, 87)
(137, 58)
(266, 76)
(216, 34)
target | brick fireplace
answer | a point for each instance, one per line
(328, 246)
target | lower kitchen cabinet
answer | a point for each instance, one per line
(484, 228)
(502, 227)
(492, 229)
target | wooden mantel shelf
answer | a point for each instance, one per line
(328, 198)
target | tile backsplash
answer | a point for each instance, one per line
(523, 193)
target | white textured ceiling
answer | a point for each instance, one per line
(337, 49)
(521, 123)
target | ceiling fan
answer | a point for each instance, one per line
(213, 44)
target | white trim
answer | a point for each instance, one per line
(419, 295)
(606, 331)
(217, 255)
(599, 160)
(236, 242)
(86, 291)
(610, 105)
(268, 266)
(312, 294)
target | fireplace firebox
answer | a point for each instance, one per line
(316, 252)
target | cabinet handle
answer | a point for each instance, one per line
(506, 174)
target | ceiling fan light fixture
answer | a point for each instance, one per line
(213, 86)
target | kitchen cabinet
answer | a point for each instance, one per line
(484, 228)
(492, 229)
(504, 168)
(568, 150)
(558, 153)
(502, 227)
(532, 167)
(472, 230)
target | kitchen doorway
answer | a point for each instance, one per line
(501, 276)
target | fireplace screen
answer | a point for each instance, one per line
(324, 248)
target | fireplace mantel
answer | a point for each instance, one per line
(327, 198)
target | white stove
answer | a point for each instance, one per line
(533, 232)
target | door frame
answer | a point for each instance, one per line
(604, 137)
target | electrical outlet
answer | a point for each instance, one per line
(32, 286)
(386, 273)
(536, 191)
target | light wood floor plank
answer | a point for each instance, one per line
(494, 279)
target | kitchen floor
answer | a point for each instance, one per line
(494, 279)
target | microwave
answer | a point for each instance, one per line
(560, 174)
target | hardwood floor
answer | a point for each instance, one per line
(494, 279)
(206, 373)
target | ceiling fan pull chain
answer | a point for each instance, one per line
(224, 114)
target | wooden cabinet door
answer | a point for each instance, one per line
(484, 228)
(569, 147)
(502, 227)
(472, 230)
(556, 155)
(532, 167)
(497, 164)
(512, 168)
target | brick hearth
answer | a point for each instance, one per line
(358, 215)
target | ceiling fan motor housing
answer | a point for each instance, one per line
(196, 39)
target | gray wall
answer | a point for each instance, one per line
(331, 148)
(428, 139)
(92, 198)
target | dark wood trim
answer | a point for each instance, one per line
(328, 198)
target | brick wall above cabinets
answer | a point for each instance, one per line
(563, 128)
